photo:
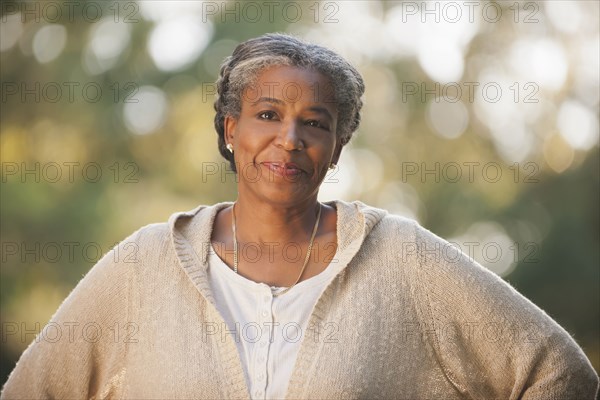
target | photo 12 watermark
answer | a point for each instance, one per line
(68, 92)
(255, 173)
(289, 252)
(469, 172)
(69, 332)
(68, 172)
(71, 11)
(469, 11)
(66, 252)
(452, 92)
(270, 11)
(266, 332)
(470, 331)
(454, 253)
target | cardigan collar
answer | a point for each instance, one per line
(190, 234)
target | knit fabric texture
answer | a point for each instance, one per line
(407, 316)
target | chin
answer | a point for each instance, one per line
(284, 197)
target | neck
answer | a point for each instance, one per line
(266, 223)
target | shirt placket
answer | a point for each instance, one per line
(265, 317)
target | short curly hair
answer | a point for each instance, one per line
(249, 58)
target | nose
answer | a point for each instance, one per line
(289, 138)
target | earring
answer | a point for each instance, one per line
(332, 165)
(230, 147)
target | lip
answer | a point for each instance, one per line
(284, 169)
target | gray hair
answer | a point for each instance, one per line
(249, 58)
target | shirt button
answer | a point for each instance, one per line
(261, 376)
(263, 344)
(265, 313)
(261, 359)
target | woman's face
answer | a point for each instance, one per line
(285, 137)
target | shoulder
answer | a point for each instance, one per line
(378, 223)
(417, 245)
(432, 263)
(409, 231)
(396, 233)
(151, 235)
(398, 227)
(156, 235)
(147, 242)
(164, 239)
(439, 265)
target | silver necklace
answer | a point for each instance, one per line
(310, 245)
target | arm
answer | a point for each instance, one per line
(491, 341)
(80, 354)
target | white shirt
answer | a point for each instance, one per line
(268, 330)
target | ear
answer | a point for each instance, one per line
(337, 152)
(230, 125)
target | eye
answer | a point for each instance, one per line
(316, 124)
(268, 115)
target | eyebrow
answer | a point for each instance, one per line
(268, 100)
(321, 110)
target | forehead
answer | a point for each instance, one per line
(292, 84)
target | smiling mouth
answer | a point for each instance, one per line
(286, 170)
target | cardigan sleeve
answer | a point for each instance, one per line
(79, 353)
(490, 341)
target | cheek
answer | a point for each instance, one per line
(321, 161)
(253, 142)
(252, 137)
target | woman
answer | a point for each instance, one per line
(278, 295)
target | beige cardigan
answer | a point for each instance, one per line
(406, 317)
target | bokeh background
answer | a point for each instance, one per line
(480, 121)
